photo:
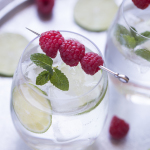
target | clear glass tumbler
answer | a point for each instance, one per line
(128, 52)
(48, 118)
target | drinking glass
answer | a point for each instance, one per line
(128, 52)
(48, 118)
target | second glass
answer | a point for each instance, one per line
(128, 52)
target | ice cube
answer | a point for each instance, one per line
(132, 19)
(67, 129)
(79, 84)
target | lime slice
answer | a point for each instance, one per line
(11, 47)
(32, 117)
(95, 15)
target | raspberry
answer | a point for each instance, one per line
(71, 52)
(50, 42)
(90, 63)
(118, 128)
(45, 6)
(142, 4)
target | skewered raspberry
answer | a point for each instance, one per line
(45, 6)
(71, 52)
(142, 4)
(90, 63)
(118, 128)
(50, 42)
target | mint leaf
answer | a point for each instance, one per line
(144, 53)
(43, 78)
(141, 39)
(124, 37)
(133, 32)
(120, 29)
(43, 61)
(59, 80)
(128, 41)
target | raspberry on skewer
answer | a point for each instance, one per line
(80, 57)
(90, 63)
(50, 42)
(71, 52)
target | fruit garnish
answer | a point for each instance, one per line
(35, 118)
(52, 74)
(118, 128)
(78, 48)
(11, 48)
(45, 6)
(142, 4)
(50, 42)
(90, 63)
(95, 15)
(71, 52)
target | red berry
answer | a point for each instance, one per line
(71, 52)
(118, 128)
(142, 4)
(45, 6)
(90, 63)
(50, 42)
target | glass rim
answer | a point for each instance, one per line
(69, 99)
(123, 12)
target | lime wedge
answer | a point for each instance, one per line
(11, 48)
(32, 117)
(95, 15)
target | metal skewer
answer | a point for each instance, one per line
(122, 78)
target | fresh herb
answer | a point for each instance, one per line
(144, 53)
(52, 74)
(131, 39)
(125, 37)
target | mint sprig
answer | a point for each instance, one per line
(59, 80)
(52, 74)
(124, 37)
(129, 38)
(144, 53)
(42, 61)
(43, 78)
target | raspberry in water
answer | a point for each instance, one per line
(50, 42)
(118, 128)
(142, 4)
(45, 6)
(71, 52)
(90, 63)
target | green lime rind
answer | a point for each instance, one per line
(95, 15)
(33, 119)
(144, 53)
(87, 111)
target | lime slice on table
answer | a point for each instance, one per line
(95, 15)
(32, 117)
(11, 48)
